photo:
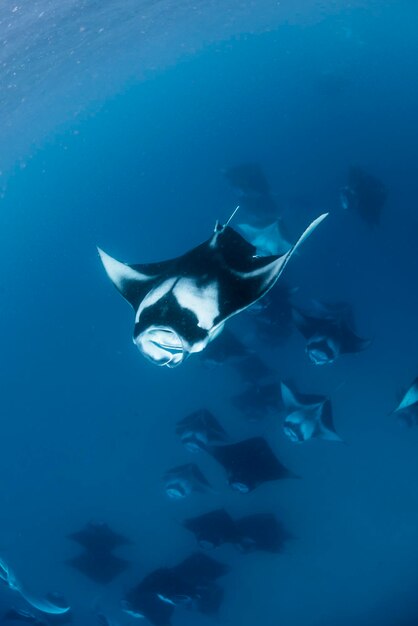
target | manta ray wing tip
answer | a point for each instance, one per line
(320, 218)
(104, 257)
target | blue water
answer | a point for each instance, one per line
(126, 150)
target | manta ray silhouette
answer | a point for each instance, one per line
(181, 305)
(191, 584)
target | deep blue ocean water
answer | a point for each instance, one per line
(127, 150)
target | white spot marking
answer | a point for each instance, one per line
(202, 301)
(154, 295)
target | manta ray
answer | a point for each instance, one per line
(182, 304)
(181, 481)
(268, 240)
(308, 416)
(48, 604)
(191, 584)
(97, 561)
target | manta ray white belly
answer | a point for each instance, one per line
(166, 344)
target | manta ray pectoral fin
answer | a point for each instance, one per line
(289, 398)
(251, 277)
(127, 280)
(296, 401)
(308, 231)
(353, 343)
(269, 272)
(409, 398)
(329, 435)
(326, 424)
(45, 605)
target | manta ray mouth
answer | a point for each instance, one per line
(126, 608)
(322, 350)
(293, 435)
(161, 345)
(177, 490)
(194, 442)
(239, 486)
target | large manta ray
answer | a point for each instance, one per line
(182, 304)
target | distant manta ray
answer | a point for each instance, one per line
(182, 304)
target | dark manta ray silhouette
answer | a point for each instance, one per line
(143, 603)
(258, 401)
(181, 305)
(364, 194)
(261, 531)
(100, 567)
(329, 332)
(181, 481)
(252, 369)
(249, 463)
(97, 561)
(194, 584)
(191, 585)
(213, 529)
(98, 536)
(202, 568)
(256, 200)
(227, 348)
(307, 416)
(199, 429)
(274, 321)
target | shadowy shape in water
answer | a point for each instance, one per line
(199, 429)
(364, 194)
(249, 464)
(258, 401)
(183, 480)
(97, 561)
(189, 585)
(227, 347)
(261, 532)
(329, 332)
(212, 529)
(307, 416)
